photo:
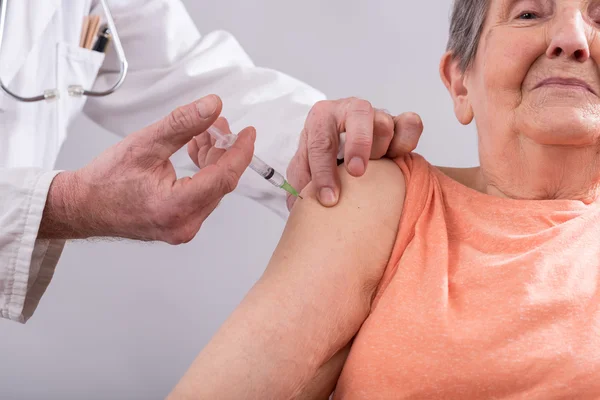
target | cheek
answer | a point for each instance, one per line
(503, 61)
(595, 48)
(507, 58)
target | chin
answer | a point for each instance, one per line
(561, 126)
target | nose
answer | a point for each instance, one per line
(568, 38)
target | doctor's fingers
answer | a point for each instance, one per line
(324, 124)
(216, 180)
(178, 128)
(201, 148)
(383, 133)
(193, 150)
(369, 132)
(208, 153)
(322, 142)
(408, 128)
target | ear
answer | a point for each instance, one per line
(454, 80)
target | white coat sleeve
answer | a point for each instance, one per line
(26, 262)
(171, 64)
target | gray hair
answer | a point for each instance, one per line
(466, 25)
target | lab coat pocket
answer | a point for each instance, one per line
(75, 66)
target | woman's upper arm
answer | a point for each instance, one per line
(313, 297)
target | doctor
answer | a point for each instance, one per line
(131, 190)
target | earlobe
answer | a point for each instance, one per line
(454, 80)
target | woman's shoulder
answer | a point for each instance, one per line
(418, 170)
(414, 167)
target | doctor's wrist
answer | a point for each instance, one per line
(67, 213)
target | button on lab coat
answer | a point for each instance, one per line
(170, 64)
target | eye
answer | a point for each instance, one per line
(594, 14)
(527, 15)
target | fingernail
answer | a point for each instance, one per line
(327, 197)
(356, 166)
(207, 106)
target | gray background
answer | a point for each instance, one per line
(123, 320)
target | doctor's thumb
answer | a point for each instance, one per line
(184, 123)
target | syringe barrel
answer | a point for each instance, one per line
(267, 172)
(261, 167)
(224, 141)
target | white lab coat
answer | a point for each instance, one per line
(170, 64)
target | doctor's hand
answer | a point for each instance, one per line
(132, 191)
(370, 134)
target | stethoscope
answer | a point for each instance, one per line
(73, 90)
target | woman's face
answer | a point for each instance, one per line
(535, 75)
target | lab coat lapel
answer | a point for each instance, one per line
(26, 20)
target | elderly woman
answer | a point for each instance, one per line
(428, 283)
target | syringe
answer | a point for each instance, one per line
(224, 141)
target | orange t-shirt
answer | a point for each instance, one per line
(483, 298)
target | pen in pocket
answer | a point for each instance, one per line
(88, 31)
(103, 40)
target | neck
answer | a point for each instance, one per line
(527, 170)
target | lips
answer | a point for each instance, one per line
(565, 82)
